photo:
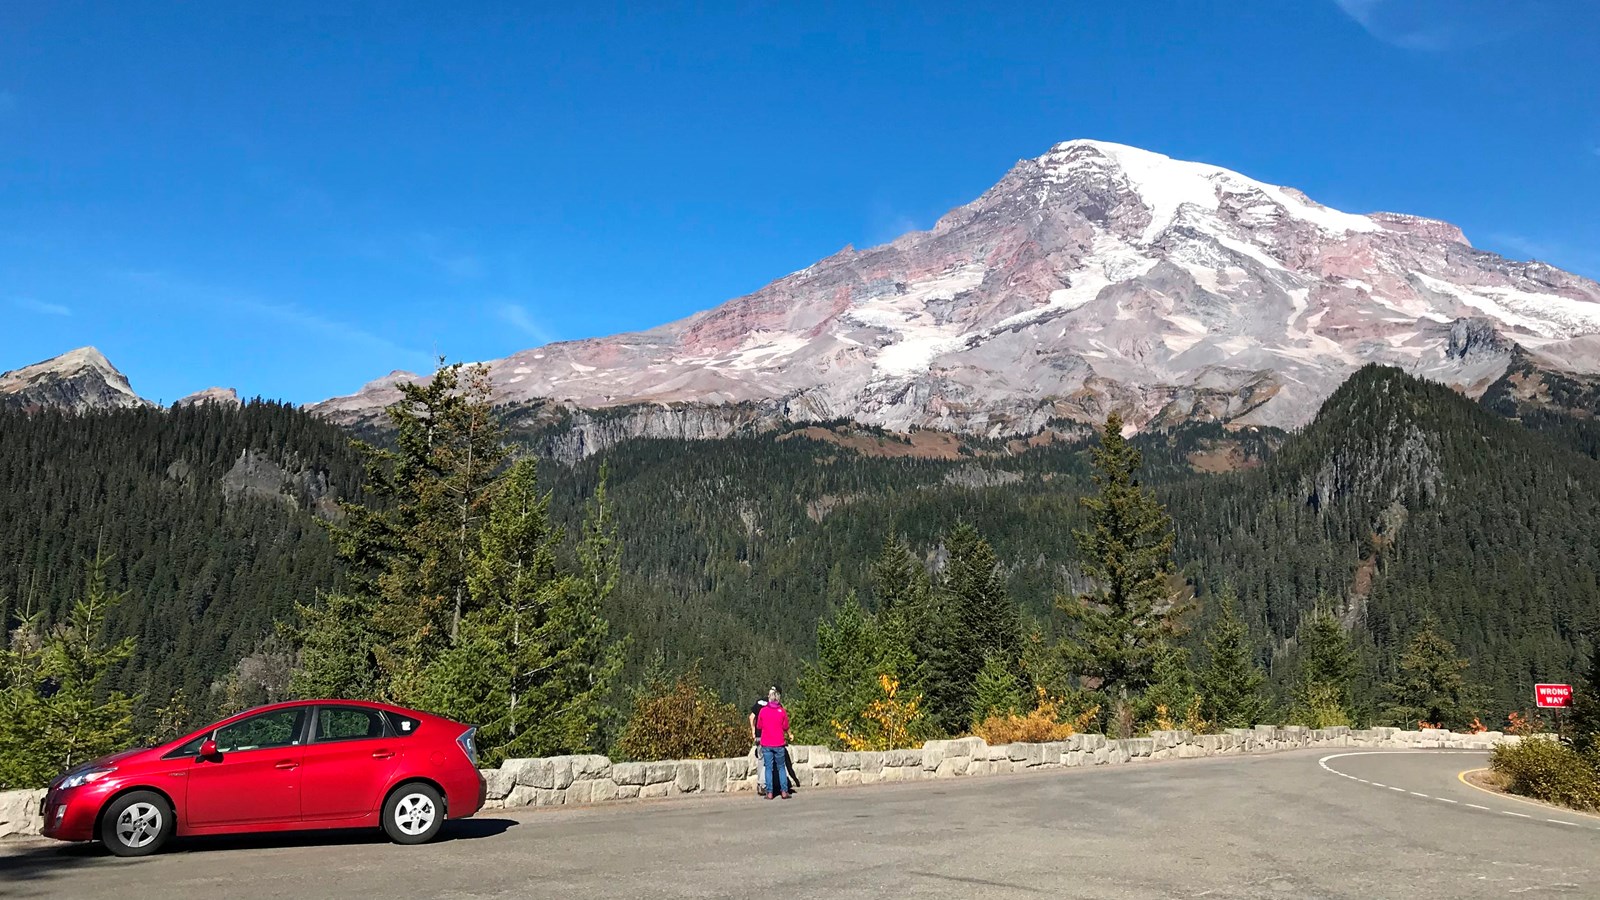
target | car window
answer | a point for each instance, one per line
(404, 726)
(279, 728)
(348, 723)
(190, 747)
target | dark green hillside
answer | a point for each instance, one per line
(210, 560)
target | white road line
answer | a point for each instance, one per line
(1376, 784)
(1404, 791)
(1559, 822)
(1507, 812)
(1476, 806)
(1423, 796)
(1446, 800)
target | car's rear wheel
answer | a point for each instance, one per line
(413, 814)
(137, 824)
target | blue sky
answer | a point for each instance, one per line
(295, 198)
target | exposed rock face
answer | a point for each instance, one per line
(218, 395)
(78, 380)
(256, 474)
(1095, 277)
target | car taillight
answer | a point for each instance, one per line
(468, 742)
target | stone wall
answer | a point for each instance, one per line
(576, 780)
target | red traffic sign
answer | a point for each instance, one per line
(1552, 696)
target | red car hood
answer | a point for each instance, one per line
(103, 761)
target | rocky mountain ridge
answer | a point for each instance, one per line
(78, 380)
(1095, 277)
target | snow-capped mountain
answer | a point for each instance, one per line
(79, 380)
(1094, 277)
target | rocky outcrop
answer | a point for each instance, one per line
(79, 380)
(19, 812)
(257, 474)
(1096, 277)
(218, 395)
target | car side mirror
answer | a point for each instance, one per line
(208, 750)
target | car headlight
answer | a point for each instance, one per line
(79, 779)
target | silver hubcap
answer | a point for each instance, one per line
(138, 825)
(414, 814)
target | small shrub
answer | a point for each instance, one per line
(682, 719)
(1522, 725)
(1550, 771)
(1044, 723)
(891, 721)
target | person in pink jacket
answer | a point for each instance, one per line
(773, 724)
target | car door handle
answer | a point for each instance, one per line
(288, 764)
(383, 754)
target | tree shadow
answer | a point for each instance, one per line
(37, 862)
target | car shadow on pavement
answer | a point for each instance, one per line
(37, 862)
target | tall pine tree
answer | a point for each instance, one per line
(1119, 628)
(1327, 666)
(1231, 682)
(1431, 686)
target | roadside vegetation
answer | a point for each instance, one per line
(1564, 769)
(455, 579)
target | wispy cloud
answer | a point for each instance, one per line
(41, 307)
(214, 298)
(517, 316)
(1442, 25)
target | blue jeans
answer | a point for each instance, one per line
(772, 759)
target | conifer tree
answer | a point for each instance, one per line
(54, 709)
(1231, 682)
(1327, 665)
(533, 660)
(1585, 720)
(1431, 686)
(969, 617)
(997, 691)
(1120, 626)
(854, 650)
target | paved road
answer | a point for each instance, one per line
(1304, 824)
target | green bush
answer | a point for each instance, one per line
(1549, 770)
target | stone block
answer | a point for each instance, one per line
(687, 779)
(847, 760)
(847, 777)
(628, 791)
(580, 792)
(1164, 753)
(953, 767)
(549, 797)
(1102, 755)
(799, 753)
(870, 762)
(714, 776)
(19, 812)
(657, 789)
(603, 790)
(821, 758)
(628, 773)
(1072, 758)
(1094, 741)
(906, 757)
(521, 795)
(1138, 746)
(497, 784)
(660, 772)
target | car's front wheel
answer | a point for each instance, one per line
(137, 824)
(413, 814)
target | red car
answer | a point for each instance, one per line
(306, 764)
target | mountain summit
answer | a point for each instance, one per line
(1095, 277)
(79, 380)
